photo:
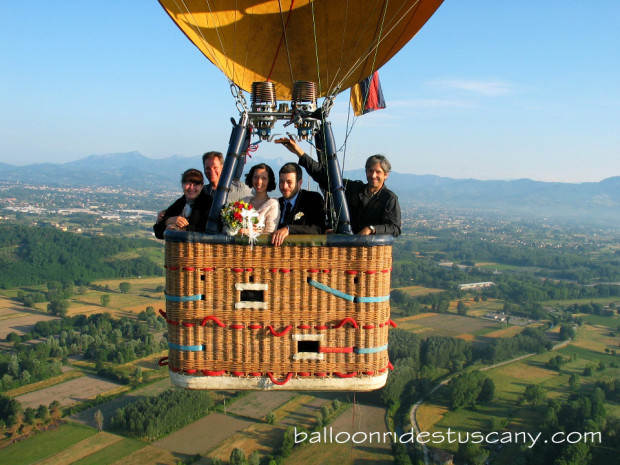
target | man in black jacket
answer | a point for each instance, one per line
(374, 209)
(301, 211)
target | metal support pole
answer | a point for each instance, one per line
(326, 144)
(242, 158)
(235, 148)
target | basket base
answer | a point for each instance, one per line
(224, 383)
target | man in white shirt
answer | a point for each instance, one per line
(213, 163)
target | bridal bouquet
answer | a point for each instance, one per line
(237, 215)
(232, 216)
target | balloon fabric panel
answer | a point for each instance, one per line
(333, 43)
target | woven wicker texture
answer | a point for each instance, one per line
(247, 311)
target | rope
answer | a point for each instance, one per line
(283, 37)
(336, 87)
(375, 45)
(280, 383)
(316, 48)
(194, 26)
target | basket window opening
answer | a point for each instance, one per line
(308, 346)
(252, 295)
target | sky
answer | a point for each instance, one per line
(487, 90)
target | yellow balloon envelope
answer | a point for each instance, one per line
(335, 43)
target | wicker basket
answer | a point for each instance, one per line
(311, 314)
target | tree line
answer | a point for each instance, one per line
(30, 255)
(99, 337)
(154, 417)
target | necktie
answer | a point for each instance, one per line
(286, 217)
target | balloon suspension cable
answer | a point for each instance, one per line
(285, 39)
(384, 32)
(316, 47)
(374, 60)
(193, 24)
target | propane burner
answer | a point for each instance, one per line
(263, 104)
(266, 110)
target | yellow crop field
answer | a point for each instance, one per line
(428, 414)
(526, 372)
(417, 317)
(81, 449)
(260, 436)
(149, 454)
(506, 332)
(415, 291)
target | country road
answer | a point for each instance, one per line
(414, 409)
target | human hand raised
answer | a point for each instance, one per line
(291, 145)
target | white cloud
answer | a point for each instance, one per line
(486, 88)
(428, 103)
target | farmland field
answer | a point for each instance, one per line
(68, 373)
(483, 307)
(14, 317)
(511, 380)
(193, 439)
(45, 444)
(110, 454)
(358, 419)
(258, 404)
(448, 324)
(149, 455)
(70, 392)
(259, 436)
(509, 386)
(612, 322)
(510, 331)
(87, 416)
(81, 449)
(141, 295)
(415, 291)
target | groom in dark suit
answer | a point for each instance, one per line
(301, 211)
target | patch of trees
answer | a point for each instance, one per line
(99, 337)
(611, 388)
(124, 287)
(9, 411)
(425, 272)
(445, 352)
(581, 413)
(525, 287)
(575, 264)
(567, 331)
(534, 394)
(416, 360)
(15, 421)
(592, 308)
(43, 252)
(555, 363)
(29, 365)
(154, 417)
(470, 388)
(327, 414)
(528, 341)
(521, 289)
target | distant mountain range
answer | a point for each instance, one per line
(590, 201)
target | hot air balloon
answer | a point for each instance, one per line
(313, 313)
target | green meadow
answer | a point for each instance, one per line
(45, 444)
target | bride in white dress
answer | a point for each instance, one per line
(262, 180)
